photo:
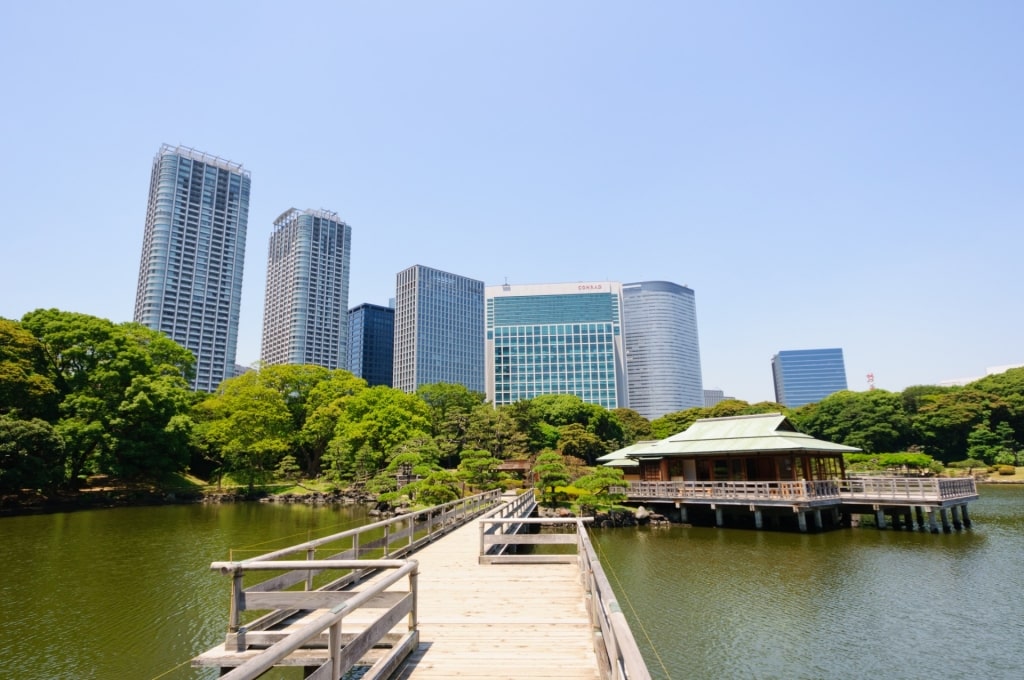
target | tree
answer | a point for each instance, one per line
(120, 389)
(450, 413)
(873, 420)
(247, 426)
(551, 472)
(495, 430)
(674, 423)
(325, 405)
(634, 426)
(944, 421)
(574, 440)
(598, 484)
(25, 387)
(31, 455)
(374, 422)
(480, 469)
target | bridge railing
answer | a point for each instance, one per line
(737, 491)
(386, 539)
(521, 506)
(618, 654)
(342, 654)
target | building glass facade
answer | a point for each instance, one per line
(556, 339)
(804, 376)
(371, 343)
(662, 348)
(439, 329)
(193, 256)
(305, 313)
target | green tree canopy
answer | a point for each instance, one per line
(873, 421)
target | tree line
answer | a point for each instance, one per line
(82, 396)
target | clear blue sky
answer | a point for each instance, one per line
(821, 174)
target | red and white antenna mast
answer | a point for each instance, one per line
(871, 381)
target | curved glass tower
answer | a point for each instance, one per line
(662, 350)
(305, 310)
(193, 253)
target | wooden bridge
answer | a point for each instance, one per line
(469, 605)
(902, 498)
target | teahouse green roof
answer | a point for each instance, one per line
(760, 433)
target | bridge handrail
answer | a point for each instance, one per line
(340, 659)
(469, 503)
(451, 514)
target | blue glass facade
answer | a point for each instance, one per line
(439, 330)
(662, 349)
(371, 343)
(805, 376)
(305, 313)
(193, 255)
(555, 339)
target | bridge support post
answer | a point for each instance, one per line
(932, 524)
(966, 517)
(919, 513)
(837, 517)
(758, 519)
(955, 513)
(818, 524)
(801, 520)
(683, 516)
(880, 518)
(719, 517)
(945, 520)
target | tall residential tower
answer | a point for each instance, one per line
(560, 338)
(439, 329)
(305, 314)
(193, 254)
(662, 350)
(803, 376)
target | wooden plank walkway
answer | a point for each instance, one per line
(498, 620)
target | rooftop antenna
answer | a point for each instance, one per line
(871, 381)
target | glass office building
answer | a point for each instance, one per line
(439, 330)
(193, 255)
(804, 376)
(371, 343)
(563, 338)
(662, 349)
(305, 312)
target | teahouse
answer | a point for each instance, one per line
(754, 448)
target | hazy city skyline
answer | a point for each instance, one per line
(821, 175)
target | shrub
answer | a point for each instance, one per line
(1007, 470)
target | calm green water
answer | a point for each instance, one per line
(127, 593)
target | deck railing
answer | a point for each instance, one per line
(934, 489)
(618, 655)
(732, 491)
(880, 489)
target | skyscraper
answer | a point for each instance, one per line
(561, 338)
(193, 254)
(439, 329)
(804, 376)
(371, 343)
(662, 349)
(305, 314)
